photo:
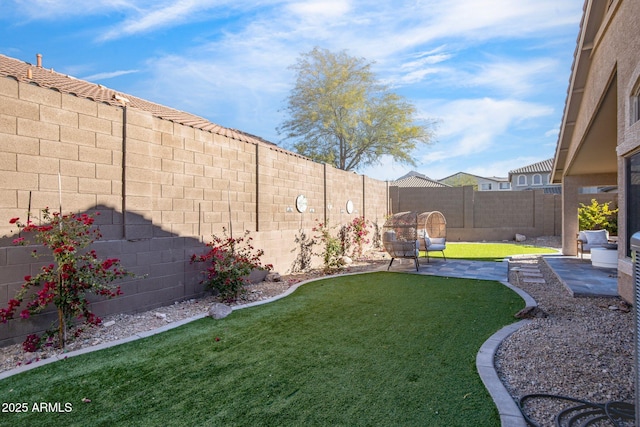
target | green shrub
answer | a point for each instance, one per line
(230, 261)
(598, 216)
(333, 250)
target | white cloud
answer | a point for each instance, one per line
(387, 169)
(553, 132)
(55, 9)
(158, 16)
(109, 75)
(512, 77)
(319, 9)
(471, 126)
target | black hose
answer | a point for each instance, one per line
(583, 414)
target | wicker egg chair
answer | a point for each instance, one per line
(400, 237)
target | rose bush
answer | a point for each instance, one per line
(229, 263)
(359, 229)
(67, 281)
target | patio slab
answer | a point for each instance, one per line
(581, 278)
(462, 269)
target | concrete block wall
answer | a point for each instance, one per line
(450, 201)
(484, 215)
(161, 188)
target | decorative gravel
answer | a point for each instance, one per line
(582, 349)
(577, 347)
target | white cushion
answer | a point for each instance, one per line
(437, 247)
(436, 244)
(596, 237)
(582, 236)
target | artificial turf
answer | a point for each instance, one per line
(488, 251)
(359, 350)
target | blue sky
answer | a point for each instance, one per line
(492, 73)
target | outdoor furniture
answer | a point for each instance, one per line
(604, 257)
(589, 239)
(433, 235)
(435, 244)
(400, 237)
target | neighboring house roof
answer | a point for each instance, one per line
(553, 189)
(417, 181)
(457, 174)
(413, 173)
(488, 178)
(47, 78)
(498, 178)
(543, 166)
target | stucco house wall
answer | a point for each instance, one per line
(599, 133)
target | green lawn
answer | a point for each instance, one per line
(377, 349)
(488, 251)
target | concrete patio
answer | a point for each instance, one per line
(578, 275)
(582, 279)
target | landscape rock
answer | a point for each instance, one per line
(273, 277)
(520, 237)
(219, 311)
(530, 312)
(346, 260)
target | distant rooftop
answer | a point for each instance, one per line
(417, 181)
(413, 173)
(491, 178)
(543, 166)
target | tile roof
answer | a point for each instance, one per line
(48, 78)
(543, 166)
(489, 178)
(417, 181)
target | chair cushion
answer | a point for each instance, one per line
(596, 237)
(582, 237)
(436, 244)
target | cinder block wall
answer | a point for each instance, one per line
(486, 215)
(162, 189)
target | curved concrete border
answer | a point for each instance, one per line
(510, 415)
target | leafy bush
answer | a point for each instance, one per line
(596, 216)
(230, 261)
(359, 228)
(66, 282)
(332, 248)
